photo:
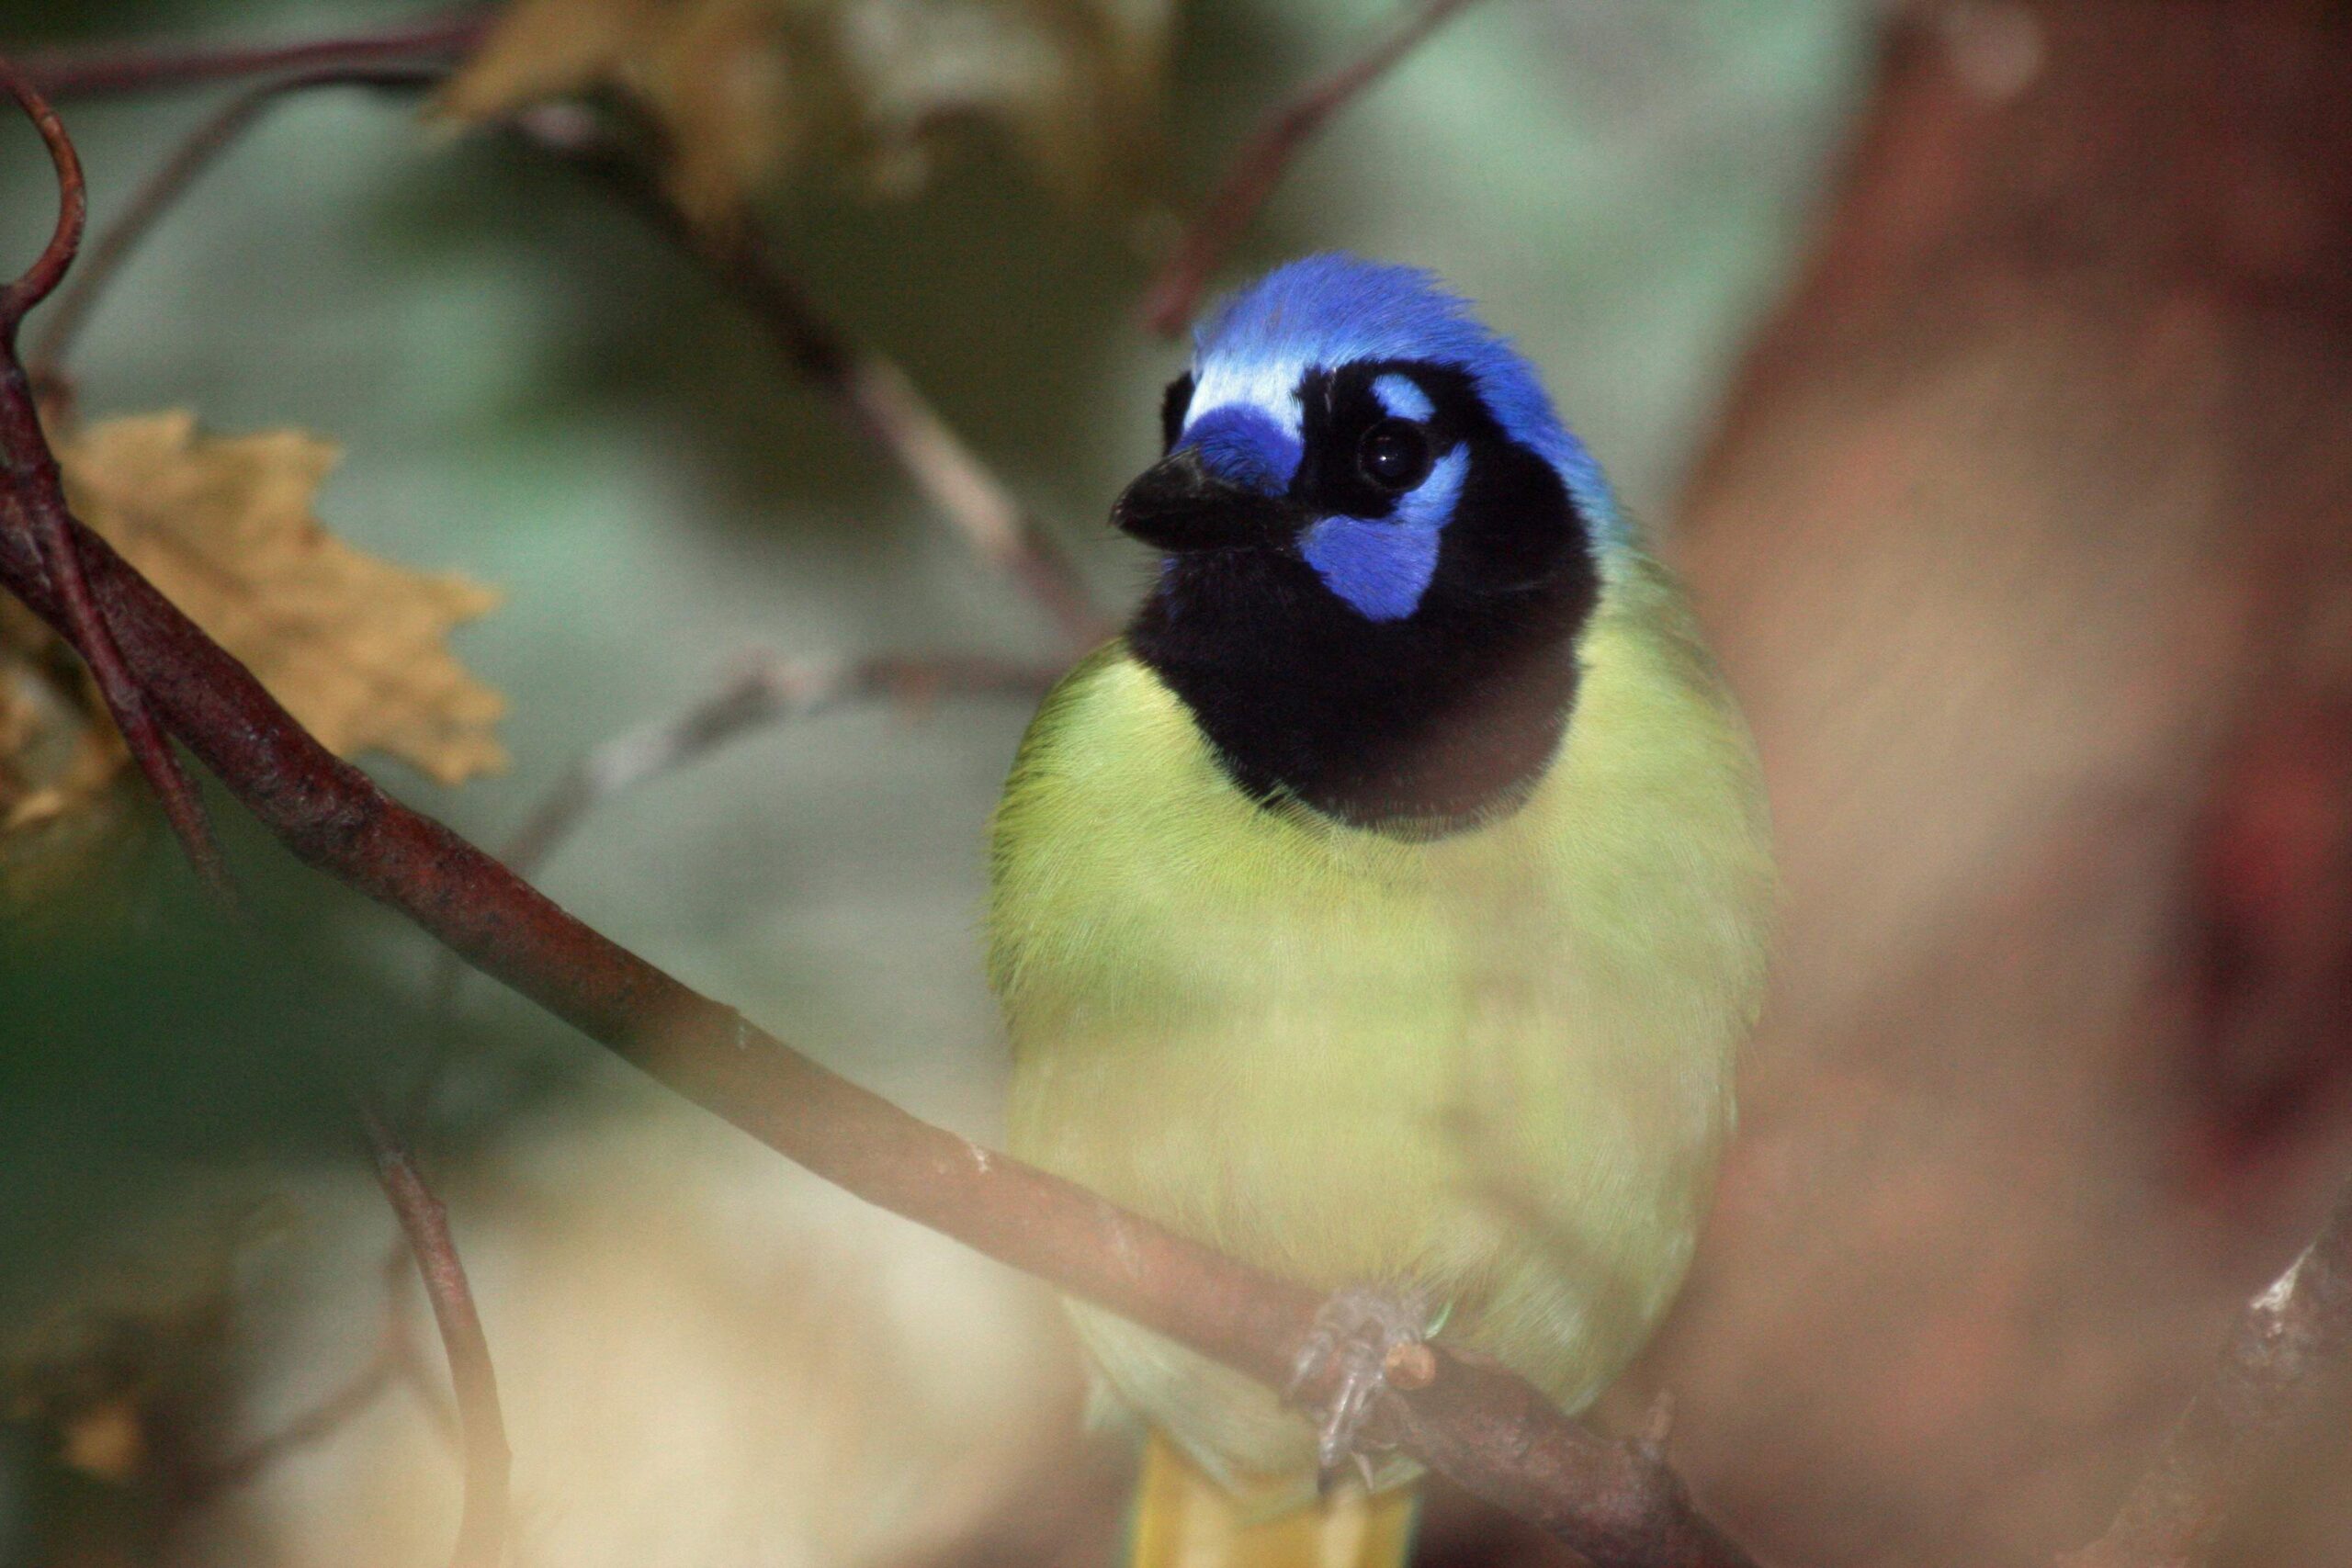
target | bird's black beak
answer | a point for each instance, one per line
(1177, 504)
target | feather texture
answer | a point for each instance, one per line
(1494, 1063)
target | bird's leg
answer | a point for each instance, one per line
(1358, 1335)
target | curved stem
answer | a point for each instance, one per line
(197, 153)
(35, 501)
(473, 1379)
(73, 207)
(1169, 301)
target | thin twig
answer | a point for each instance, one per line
(764, 690)
(482, 1522)
(1251, 178)
(36, 494)
(315, 1424)
(196, 151)
(870, 391)
(394, 1360)
(1485, 1428)
(73, 207)
(142, 67)
(2293, 1341)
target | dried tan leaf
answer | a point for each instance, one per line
(752, 90)
(63, 811)
(353, 645)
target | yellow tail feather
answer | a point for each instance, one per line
(1183, 1519)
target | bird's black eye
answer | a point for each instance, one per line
(1395, 454)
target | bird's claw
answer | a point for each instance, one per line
(1356, 1336)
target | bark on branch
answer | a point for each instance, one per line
(2293, 1343)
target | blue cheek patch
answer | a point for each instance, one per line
(1244, 445)
(1382, 566)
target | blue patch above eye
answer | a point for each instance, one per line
(1382, 566)
(1402, 399)
(1242, 444)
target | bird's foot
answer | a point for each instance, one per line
(1363, 1339)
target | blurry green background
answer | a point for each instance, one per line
(534, 390)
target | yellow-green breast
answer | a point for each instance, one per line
(1495, 1065)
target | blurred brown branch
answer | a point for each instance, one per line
(2003, 542)
(2293, 1342)
(482, 1522)
(1173, 295)
(146, 67)
(871, 391)
(766, 691)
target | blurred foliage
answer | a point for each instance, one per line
(750, 91)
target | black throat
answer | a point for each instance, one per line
(1421, 726)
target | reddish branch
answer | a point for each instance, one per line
(36, 499)
(481, 1524)
(1487, 1429)
(768, 691)
(2293, 1342)
(161, 190)
(35, 506)
(1169, 301)
(81, 72)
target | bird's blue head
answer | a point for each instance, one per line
(1380, 545)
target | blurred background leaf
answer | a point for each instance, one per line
(750, 92)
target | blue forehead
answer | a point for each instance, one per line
(1328, 311)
